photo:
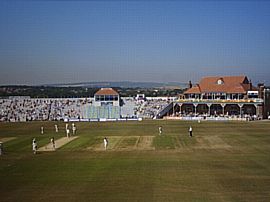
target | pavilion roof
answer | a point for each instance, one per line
(219, 84)
(106, 91)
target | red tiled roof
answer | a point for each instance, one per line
(194, 90)
(230, 84)
(106, 91)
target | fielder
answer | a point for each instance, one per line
(34, 146)
(160, 130)
(190, 131)
(53, 143)
(56, 128)
(67, 131)
(105, 143)
(73, 129)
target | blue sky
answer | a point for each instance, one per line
(66, 41)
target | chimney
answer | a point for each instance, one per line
(250, 85)
(190, 84)
(261, 89)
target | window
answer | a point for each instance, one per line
(220, 82)
(107, 98)
(97, 98)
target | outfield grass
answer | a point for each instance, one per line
(223, 161)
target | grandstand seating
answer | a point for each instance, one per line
(32, 109)
(127, 110)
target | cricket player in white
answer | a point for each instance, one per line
(160, 130)
(53, 143)
(73, 129)
(190, 131)
(41, 130)
(105, 143)
(67, 132)
(34, 145)
(56, 128)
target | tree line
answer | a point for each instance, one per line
(77, 92)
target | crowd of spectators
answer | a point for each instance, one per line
(41, 109)
(149, 108)
(68, 108)
(27, 109)
(24, 109)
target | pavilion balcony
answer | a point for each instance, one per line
(248, 100)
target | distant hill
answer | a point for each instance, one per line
(122, 84)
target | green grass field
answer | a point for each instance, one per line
(223, 161)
